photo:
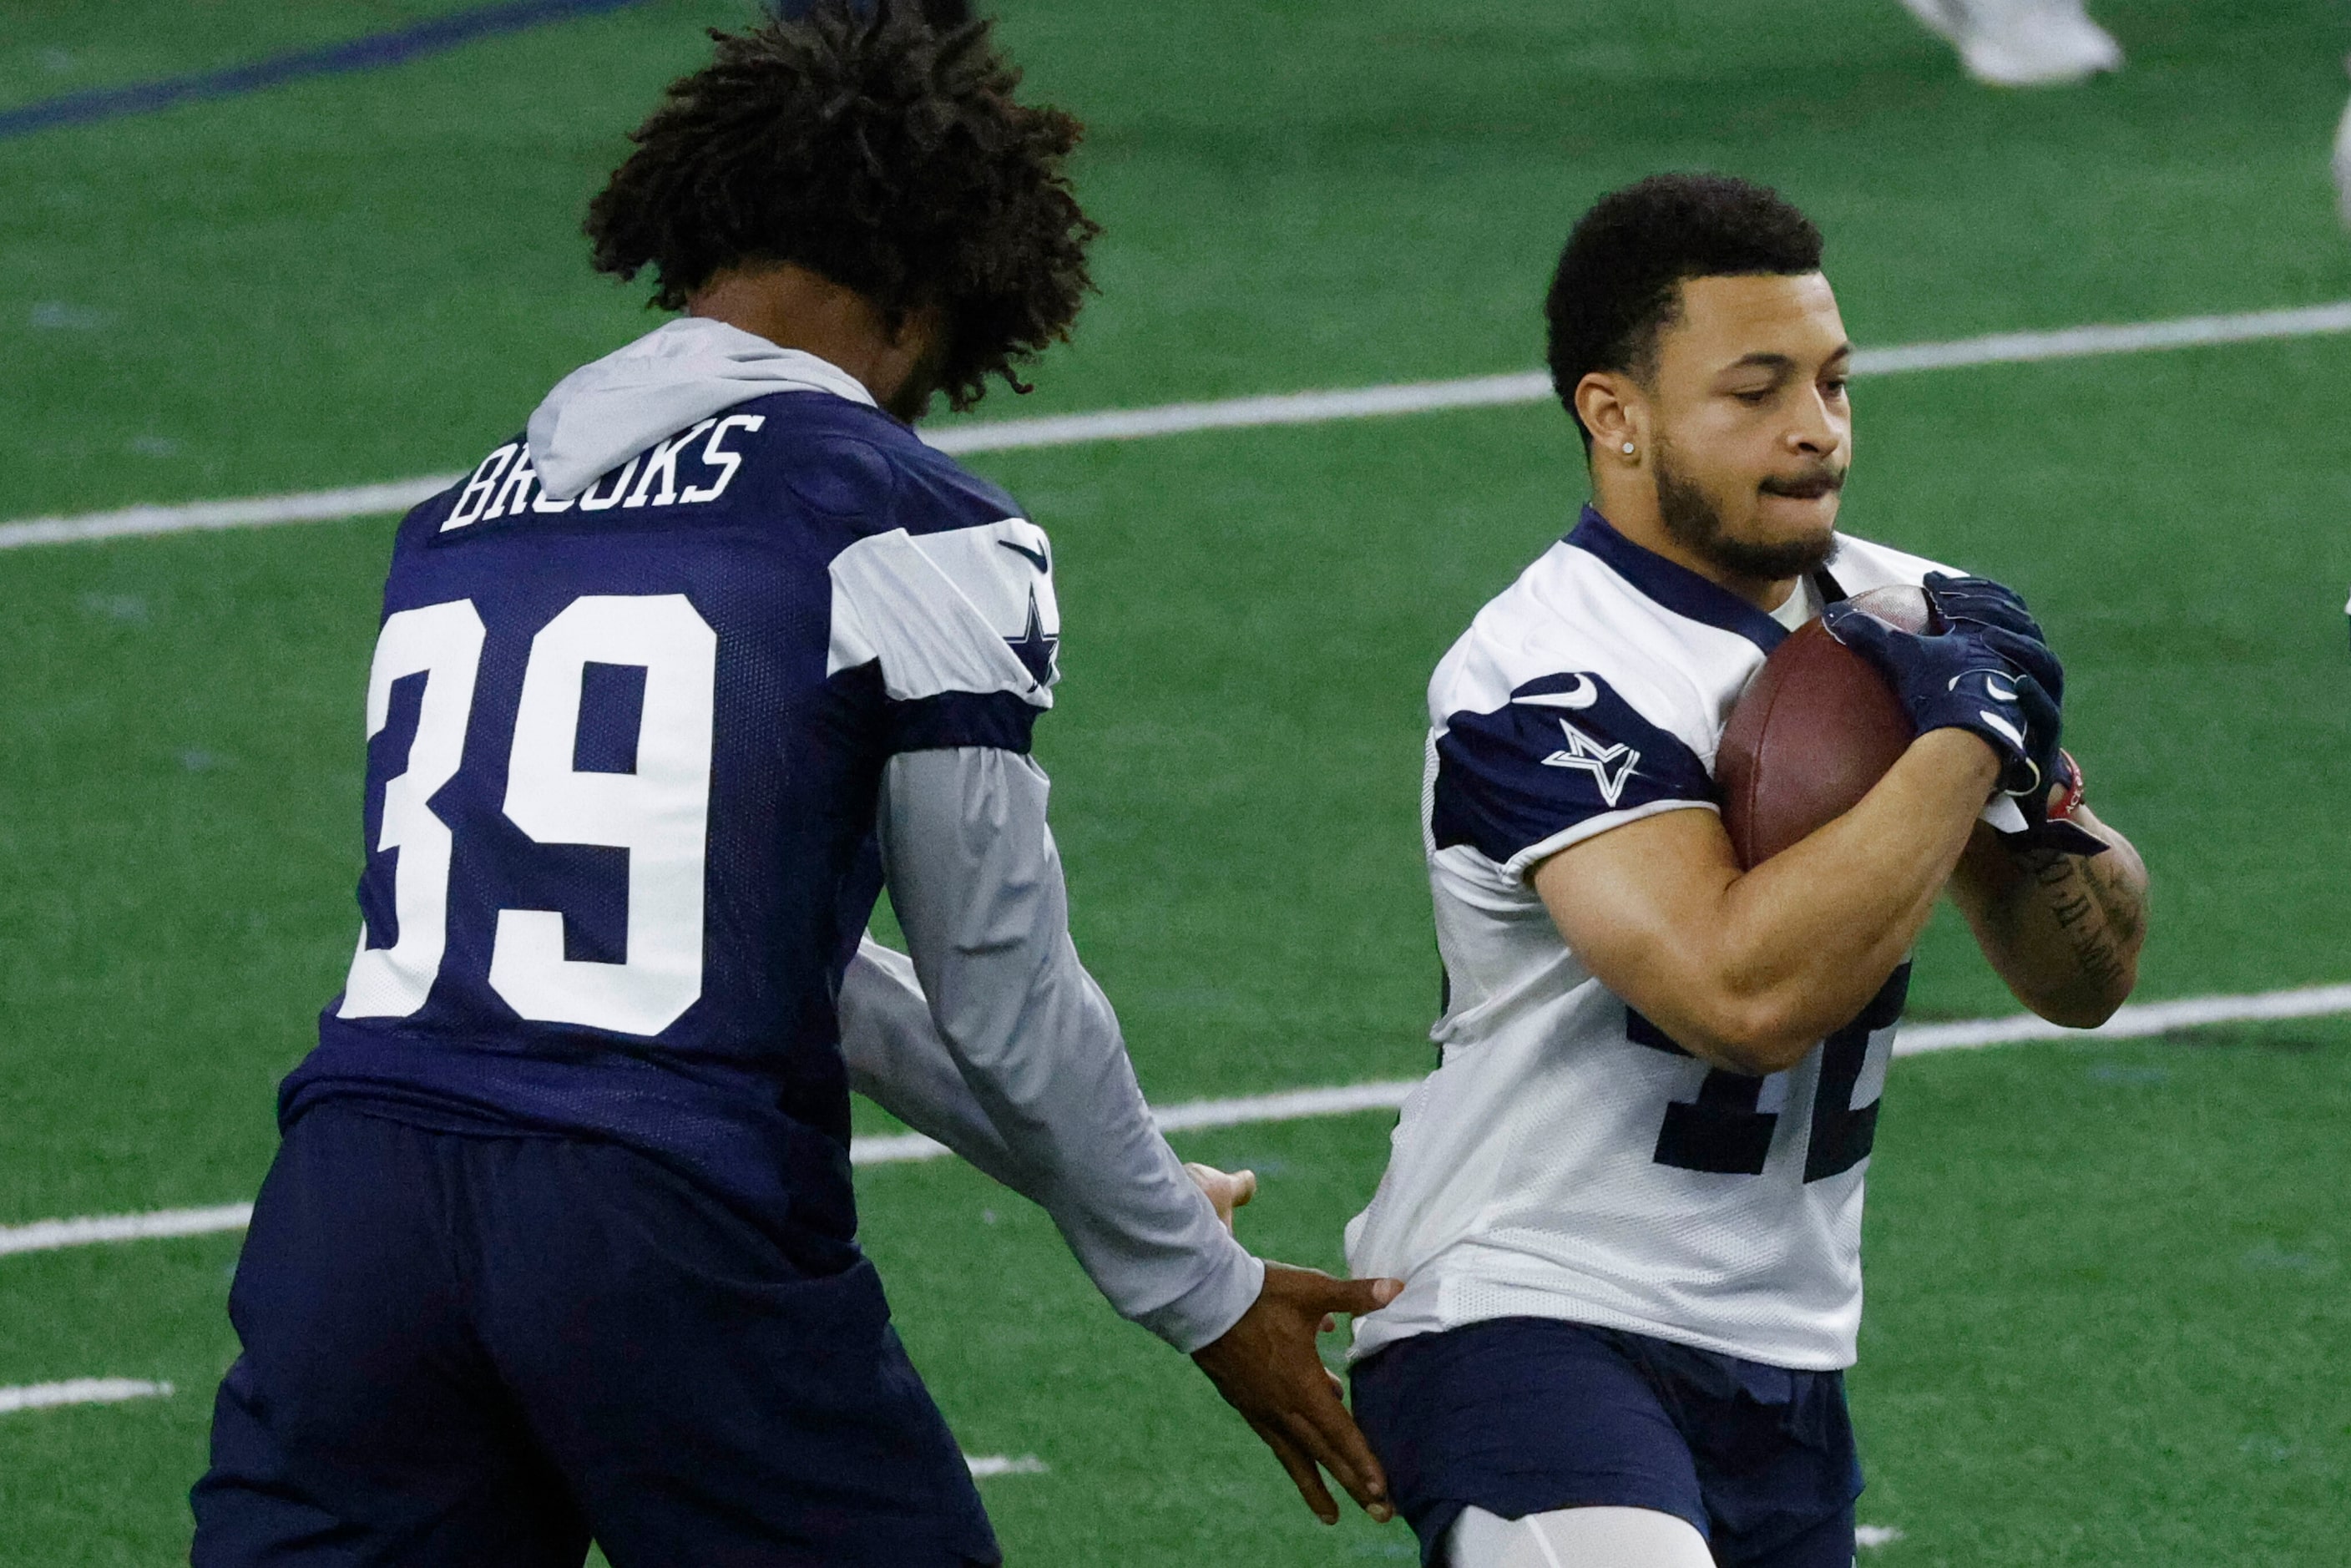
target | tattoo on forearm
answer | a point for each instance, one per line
(2125, 906)
(2100, 926)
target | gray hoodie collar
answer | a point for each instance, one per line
(605, 414)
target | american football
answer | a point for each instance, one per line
(1815, 729)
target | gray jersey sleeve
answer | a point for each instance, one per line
(1052, 1107)
(898, 1060)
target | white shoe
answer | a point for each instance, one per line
(2343, 167)
(2021, 43)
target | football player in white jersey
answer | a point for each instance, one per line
(1628, 1204)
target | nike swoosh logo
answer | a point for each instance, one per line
(1996, 686)
(1581, 696)
(1035, 558)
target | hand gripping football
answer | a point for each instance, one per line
(1815, 730)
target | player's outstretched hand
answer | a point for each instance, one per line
(1267, 1368)
(1226, 1190)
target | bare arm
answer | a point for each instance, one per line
(1750, 970)
(2064, 931)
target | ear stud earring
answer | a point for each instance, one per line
(1628, 449)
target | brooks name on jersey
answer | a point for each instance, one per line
(1567, 1159)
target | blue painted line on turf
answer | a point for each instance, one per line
(376, 51)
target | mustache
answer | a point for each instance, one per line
(1809, 485)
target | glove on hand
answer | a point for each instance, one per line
(1995, 613)
(1954, 679)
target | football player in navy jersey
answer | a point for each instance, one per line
(1627, 1205)
(560, 1241)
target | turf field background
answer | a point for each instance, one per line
(2107, 1320)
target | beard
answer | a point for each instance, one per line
(1695, 523)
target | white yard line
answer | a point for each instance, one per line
(1875, 1535)
(312, 506)
(1244, 413)
(80, 1391)
(2136, 1021)
(1234, 413)
(49, 1235)
(985, 1465)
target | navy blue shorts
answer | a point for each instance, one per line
(470, 1351)
(1523, 1416)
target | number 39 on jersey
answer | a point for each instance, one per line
(658, 811)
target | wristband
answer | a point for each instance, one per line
(2062, 812)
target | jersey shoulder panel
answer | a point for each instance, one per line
(1569, 611)
(948, 597)
(966, 610)
(1572, 704)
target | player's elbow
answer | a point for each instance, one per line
(2091, 1000)
(2073, 1016)
(1755, 1032)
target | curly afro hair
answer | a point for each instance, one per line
(1619, 280)
(881, 153)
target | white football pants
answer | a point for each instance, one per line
(1576, 1538)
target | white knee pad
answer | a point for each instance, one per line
(1576, 1538)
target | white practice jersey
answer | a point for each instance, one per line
(1567, 1159)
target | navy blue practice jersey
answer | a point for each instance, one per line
(623, 753)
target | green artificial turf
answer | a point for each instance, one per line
(2104, 1325)
(367, 278)
(2107, 1320)
(59, 48)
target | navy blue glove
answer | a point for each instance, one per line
(1995, 613)
(1954, 679)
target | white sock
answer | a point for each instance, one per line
(1576, 1538)
(2021, 43)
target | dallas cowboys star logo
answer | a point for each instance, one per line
(1611, 767)
(1035, 647)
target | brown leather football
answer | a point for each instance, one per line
(1815, 729)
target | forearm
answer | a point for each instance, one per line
(977, 886)
(898, 1059)
(1751, 969)
(1807, 937)
(2063, 930)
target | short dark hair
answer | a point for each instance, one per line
(885, 155)
(1619, 279)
